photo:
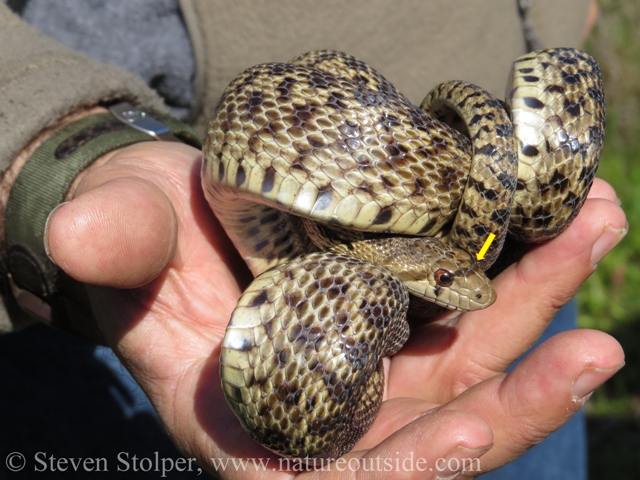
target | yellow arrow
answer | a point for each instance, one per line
(480, 255)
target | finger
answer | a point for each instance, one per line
(533, 290)
(121, 233)
(434, 445)
(530, 293)
(601, 189)
(542, 393)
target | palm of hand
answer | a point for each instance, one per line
(168, 332)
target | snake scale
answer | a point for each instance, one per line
(346, 201)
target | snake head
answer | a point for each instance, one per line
(447, 276)
(430, 269)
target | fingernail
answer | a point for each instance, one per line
(608, 239)
(461, 458)
(590, 379)
(46, 231)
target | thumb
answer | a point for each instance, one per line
(122, 233)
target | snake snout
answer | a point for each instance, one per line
(446, 276)
(469, 289)
(481, 293)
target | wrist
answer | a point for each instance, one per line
(97, 163)
(10, 174)
(46, 174)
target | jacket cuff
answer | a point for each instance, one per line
(42, 80)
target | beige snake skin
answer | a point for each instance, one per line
(346, 201)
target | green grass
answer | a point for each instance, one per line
(610, 300)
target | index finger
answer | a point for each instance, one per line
(530, 293)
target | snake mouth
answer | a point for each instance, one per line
(446, 305)
(476, 299)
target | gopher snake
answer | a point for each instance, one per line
(333, 186)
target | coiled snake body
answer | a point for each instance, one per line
(345, 200)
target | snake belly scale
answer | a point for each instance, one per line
(346, 201)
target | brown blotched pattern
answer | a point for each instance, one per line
(329, 148)
(487, 199)
(301, 362)
(557, 106)
(328, 180)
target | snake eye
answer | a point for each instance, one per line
(443, 278)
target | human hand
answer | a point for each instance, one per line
(163, 279)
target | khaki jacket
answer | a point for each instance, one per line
(414, 43)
